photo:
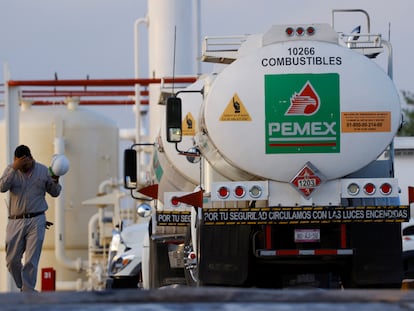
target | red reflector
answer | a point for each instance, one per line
(310, 30)
(289, 31)
(223, 192)
(410, 194)
(300, 31)
(239, 191)
(369, 188)
(174, 201)
(386, 188)
(287, 252)
(192, 255)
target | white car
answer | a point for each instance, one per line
(408, 248)
(125, 256)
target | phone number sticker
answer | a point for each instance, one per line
(369, 121)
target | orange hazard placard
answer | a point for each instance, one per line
(366, 121)
(235, 111)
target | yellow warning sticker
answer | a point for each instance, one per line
(235, 111)
(368, 121)
(188, 125)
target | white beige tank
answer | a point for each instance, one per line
(91, 145)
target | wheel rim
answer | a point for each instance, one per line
(191, 269)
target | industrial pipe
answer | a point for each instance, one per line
(77, 264)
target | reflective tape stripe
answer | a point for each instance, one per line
(304, 252)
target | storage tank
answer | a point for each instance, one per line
(91, 144)
(282, 109)
(171, 41)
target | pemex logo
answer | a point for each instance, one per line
(306, 102)
(302, 113)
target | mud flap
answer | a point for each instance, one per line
(224, 255)
(378, 255)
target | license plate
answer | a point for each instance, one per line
(307, 235)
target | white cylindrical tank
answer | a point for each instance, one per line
(174, 171)
(270, 112)
(91, 146)
(171, 48)
(170, 27)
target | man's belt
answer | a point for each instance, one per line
(27, 215)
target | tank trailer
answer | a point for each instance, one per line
(277, 170)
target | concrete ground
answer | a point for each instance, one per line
(213, 298)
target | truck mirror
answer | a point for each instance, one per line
(144, 210)
(173, 119)
(130, 169)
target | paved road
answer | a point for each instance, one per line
(213, 298)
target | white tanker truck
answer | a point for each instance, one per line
(278, 170)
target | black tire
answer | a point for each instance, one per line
(131, 282)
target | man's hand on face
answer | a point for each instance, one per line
(23, 163)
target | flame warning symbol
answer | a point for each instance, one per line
(235, 110)
(304, 103)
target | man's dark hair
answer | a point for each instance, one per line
(22, 150)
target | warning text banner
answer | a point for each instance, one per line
(173, 218)
(305, 215)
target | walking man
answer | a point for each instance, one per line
(28, 181)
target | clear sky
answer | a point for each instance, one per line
(76, 38)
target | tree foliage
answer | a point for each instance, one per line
(407, 128)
